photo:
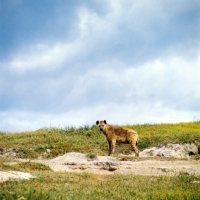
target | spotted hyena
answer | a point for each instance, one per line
(120, 135)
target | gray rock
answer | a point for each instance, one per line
(171, 150)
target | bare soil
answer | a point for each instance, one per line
(77, 162)
(171, 159)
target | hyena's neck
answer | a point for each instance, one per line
(106, 130)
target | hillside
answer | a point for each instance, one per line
(52, 142)
(71, 163)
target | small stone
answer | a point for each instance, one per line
(48, 150)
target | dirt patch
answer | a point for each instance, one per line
(170, 159)
(78, 162)
(13, 175)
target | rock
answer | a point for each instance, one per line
(109, 168)
(10, 175)
(7, 152)
(48, 150)
(104, 163)
(171, 150)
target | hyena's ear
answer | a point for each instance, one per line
(105, 122)
(97, 122)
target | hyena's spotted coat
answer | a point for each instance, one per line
(120, 135)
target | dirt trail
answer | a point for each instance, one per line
(77, 162)
(170, 159)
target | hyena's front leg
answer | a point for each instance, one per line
(112, 147)
(109, 148)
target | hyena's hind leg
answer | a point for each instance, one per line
(135, 148)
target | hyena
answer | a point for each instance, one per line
(120, 135)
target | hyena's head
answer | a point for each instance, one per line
(101, 124)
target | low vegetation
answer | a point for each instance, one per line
(51, 142)
(77, 186)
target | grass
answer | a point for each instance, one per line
(90, 141)
(55, 185)
(59, 141)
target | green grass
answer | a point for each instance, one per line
(89, 139)
(54, 185)
(59, 141)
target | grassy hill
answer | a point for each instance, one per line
(57, 185)
(89, 139)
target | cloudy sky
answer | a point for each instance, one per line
(70, 63)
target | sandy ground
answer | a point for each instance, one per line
(171, 159)
(77, 162)
(12, 175)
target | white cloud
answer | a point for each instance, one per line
(166, 84)
(123, 25)
(121, 114)
(42, 56)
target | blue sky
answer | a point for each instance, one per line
(70, 63)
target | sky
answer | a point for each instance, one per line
(71, 63)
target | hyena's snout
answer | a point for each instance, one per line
(101, 128)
